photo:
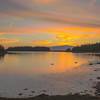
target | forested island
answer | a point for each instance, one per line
(28, 48)
(3, 51)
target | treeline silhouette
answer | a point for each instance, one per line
(87, 48)
(2, 50)
(28, 48)
(78, 49)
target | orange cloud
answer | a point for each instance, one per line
(63, 35)
(7, 41)
(51, 29)
(41, 42)
(44, 1)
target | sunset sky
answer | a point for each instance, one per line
(49, 22)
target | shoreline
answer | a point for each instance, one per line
(57, 97)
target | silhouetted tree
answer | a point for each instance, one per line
(2, 50)
(68, 50)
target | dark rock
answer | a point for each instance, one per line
(95, 70)
(52, 64)
(33, 91)
(76, 62)
(97, 87)
(26, 89)
(98, 63)
(20, 94)
(91, 64)
(98, 78)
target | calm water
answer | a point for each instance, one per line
(47, 72)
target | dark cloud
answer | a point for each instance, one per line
(10, 5)
(17, 8)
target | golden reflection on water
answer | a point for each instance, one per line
(40, 63)
(56, 72)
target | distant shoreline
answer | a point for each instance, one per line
(87, 48)
(24, 52)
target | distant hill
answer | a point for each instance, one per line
(60, 48)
